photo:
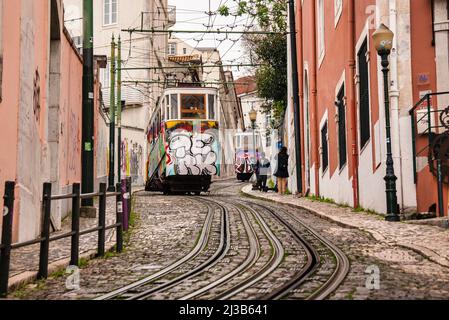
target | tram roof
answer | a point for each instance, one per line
(190, 89)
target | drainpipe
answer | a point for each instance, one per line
(314, 102)
(296, 101)
(352, 104)
(394, 103)
(301, 90)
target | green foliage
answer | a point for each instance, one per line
(270, 14)
(268, 50)
(271, 78)
(321, 199)
(83, 262)
(223, 11)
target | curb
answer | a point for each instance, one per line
(422, 251)
(27, 277)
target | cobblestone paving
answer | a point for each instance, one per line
(27, 258)
(167, 229)
(404, 274)
(164, 232)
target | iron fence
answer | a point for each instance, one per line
(123, 200)
(430, 138)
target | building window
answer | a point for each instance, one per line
(324, 148)
(105, 76)
(338, 8)
(172, 49)
(321, 29)
(342, 127)
(364, 99)
(184, 50)
(109, 12)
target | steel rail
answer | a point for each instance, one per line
(251, 258)
(220, 253)
(306, 271)
(334, 281)
(270, 266)
(203, 240)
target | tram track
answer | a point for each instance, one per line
(260, 222)
(332, 283)
(129, 292)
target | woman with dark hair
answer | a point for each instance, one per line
(282, 170)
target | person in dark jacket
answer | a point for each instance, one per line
(282, 170)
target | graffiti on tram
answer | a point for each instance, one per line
(192, 148)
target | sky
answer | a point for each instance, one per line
(191, 15)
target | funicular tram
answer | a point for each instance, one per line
(183, 141)
(246, 154)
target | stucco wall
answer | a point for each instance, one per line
(10, 93)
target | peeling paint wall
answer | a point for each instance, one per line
(40, 112)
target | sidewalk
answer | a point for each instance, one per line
(25, 261)
(429, 241)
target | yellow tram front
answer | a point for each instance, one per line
(183, 138)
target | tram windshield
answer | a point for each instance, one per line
(193, 106)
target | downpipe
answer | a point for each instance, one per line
(394, 103)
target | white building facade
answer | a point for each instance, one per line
(139, 50)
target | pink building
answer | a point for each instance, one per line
(342, 98)
(40, 108)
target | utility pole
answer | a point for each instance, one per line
(87, 156)
(296, 105)
(119, 109)
(111, 187)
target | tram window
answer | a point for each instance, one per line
(246, 144)
(211, 104)
(193, 106)
(174, 106)
(166, 107)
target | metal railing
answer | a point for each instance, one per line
(6, 246)
(430, 122)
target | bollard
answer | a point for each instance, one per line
(440, 190)
(119, 232)
(130, 196)
(102, 221)
(74, 252)
(5, 251)
(45, 233)
(124, 191)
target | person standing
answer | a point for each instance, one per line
(282, 170)
(264, 166)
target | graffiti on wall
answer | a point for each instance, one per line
(37, 96)
(192, 151)
(131, 159)
(74, 143)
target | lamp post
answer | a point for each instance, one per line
(383, 41)
(253, 118)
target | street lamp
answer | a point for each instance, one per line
(383, 42)
(253, 119)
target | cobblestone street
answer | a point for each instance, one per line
(229, 245)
